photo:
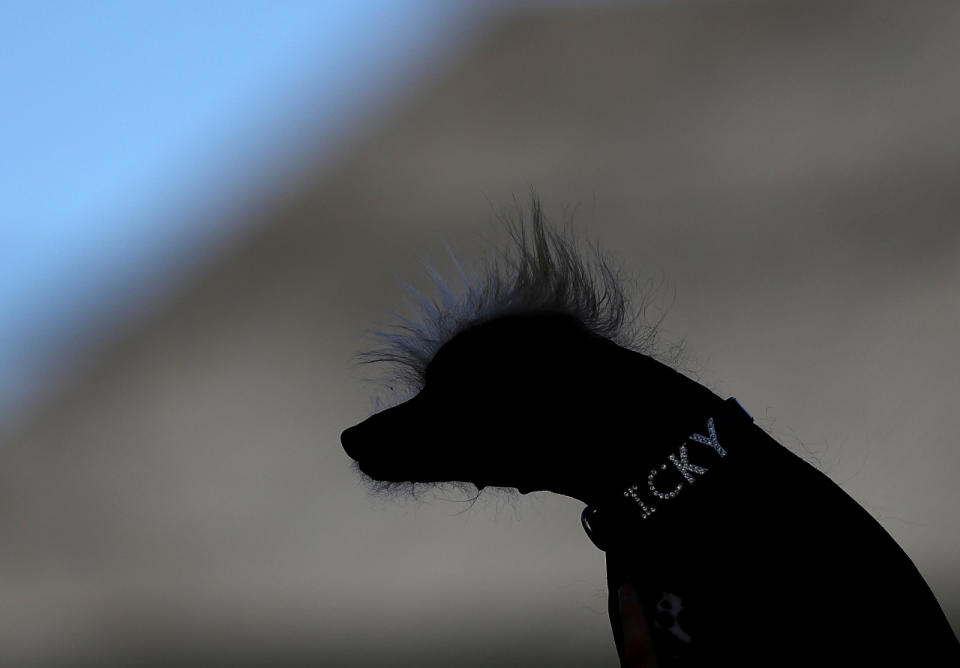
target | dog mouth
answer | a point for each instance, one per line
(385, 464)
(368, 465)
(394, 471)
(390, 465)
(373, 470)
(382, 470)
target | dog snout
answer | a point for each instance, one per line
(352, 441)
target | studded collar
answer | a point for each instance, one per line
(686, 477)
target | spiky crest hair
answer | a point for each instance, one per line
(545, 270)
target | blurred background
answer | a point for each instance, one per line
(205, 206)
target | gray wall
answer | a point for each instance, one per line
(788, 172)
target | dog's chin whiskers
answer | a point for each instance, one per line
(396, 491)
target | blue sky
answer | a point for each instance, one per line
(128, 130)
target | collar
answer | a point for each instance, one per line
(691, 474)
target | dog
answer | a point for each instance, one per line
(542, 376)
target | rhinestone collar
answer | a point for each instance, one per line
(640, 501)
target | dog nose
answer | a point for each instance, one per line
(351, 440)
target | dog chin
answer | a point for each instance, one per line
(389, 487)
(392, 473)
(382, 474)
(370, 470)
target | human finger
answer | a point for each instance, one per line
(637, 642)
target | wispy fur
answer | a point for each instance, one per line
(401, 492)
(543, 270)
